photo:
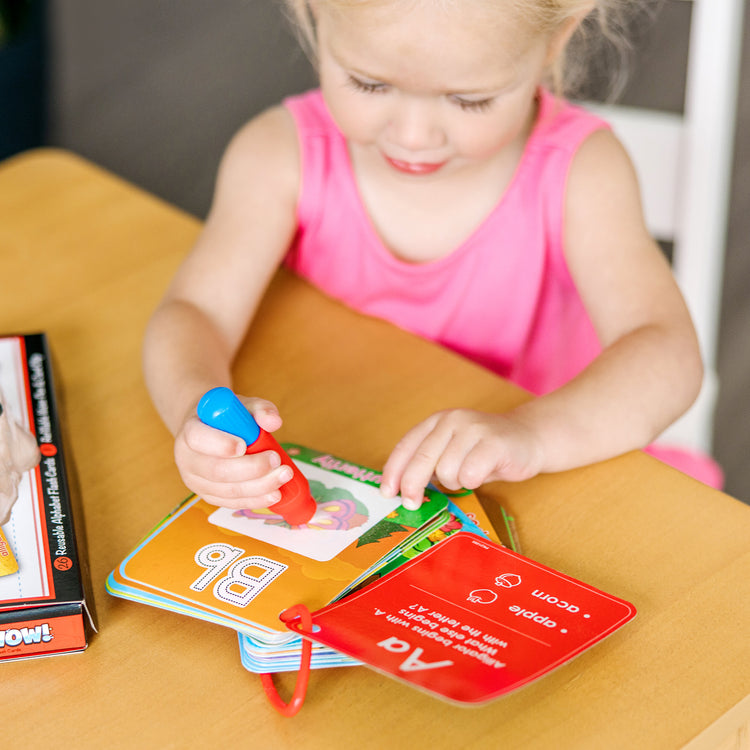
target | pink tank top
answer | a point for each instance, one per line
(504, 298)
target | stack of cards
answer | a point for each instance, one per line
(257, 657)
(241, 569)
(459, 615)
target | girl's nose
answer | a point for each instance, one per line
(415, 124)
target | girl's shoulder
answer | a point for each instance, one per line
(271, 133)
(264, 149)
(602, 165)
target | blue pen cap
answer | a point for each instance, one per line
(221, 409)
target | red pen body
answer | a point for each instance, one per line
(297, 505)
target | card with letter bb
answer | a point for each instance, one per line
(242, 568)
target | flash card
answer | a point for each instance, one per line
(468, 620)
(346, 509)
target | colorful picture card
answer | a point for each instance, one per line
(347, 508)
(242, 569)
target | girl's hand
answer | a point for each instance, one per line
(213, 464)
(461, 448)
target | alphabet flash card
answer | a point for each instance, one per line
(468, 621)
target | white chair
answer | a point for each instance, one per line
(684, 167)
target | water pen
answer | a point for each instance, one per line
(221, 409)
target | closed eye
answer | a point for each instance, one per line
(367, 87)
(473, 105)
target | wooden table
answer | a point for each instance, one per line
(85, 256)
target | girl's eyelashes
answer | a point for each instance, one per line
(367, 87)
(376, 87)
(472, 105)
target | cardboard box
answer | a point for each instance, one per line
(43, 606)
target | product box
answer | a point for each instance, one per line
(43, 606)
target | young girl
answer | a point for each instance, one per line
(434, 181)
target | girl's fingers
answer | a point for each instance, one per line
(397, 462)
(424, 453)
(234, 470)
(461, 448)
(208, 441)
(264, 412)
(477, 466)
(451, 468)
(258, 492)
(242, 503)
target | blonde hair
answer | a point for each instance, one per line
(602, 41)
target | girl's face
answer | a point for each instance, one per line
(429, 88)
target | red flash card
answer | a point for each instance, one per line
(468, 620)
